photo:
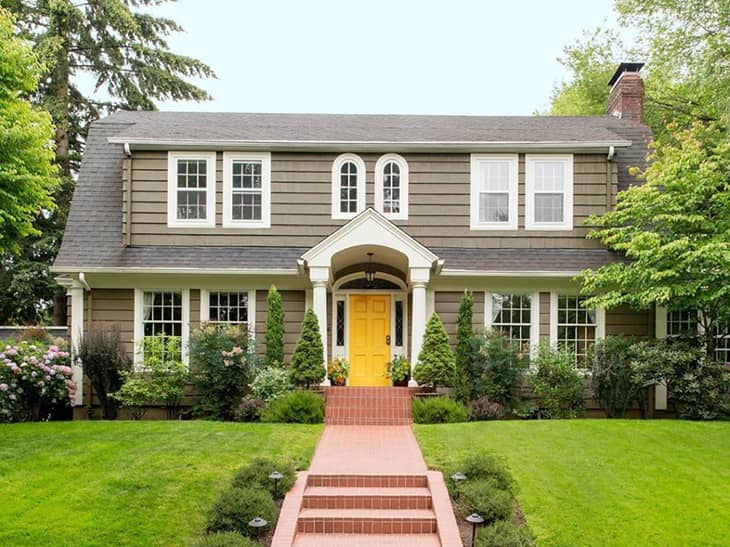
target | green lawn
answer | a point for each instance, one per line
(126, 483)
(601, 482)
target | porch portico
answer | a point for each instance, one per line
(399, 269)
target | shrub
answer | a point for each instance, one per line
(485, 465)
(307, 363)
(295, 407)
(103, 361)
(236, 507)
(486, 498)
(223, 361)
(256, 475)
(270, 383)
(274, 329)
(499, 364)
(505, 533)
(224, 539)
(613, 381)
(34, 379)
(557, 383)
(338, 370)
(250, 409)
(438, 410)
(463, 354)
(398, 370)
(436, 364)
(485, 409)
(160, 380)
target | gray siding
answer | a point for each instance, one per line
(301, 203)
(112, 308)
(629, 322)
(544, 316)
(446, 305)
(293, 304)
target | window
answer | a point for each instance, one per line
(228, 307)
(722, 345)
(577, 327)
(348, 186)
(682, 322)
(398, 323)
(493, 192)
(246, 190)
(511, 314)
(391, 186)
(161, 313)
(191, 189)
(340, 323)
(549, 192)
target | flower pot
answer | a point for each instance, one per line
(400, 383)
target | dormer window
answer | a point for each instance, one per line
(549, 192)
(348, 186)
(246, 190)
(391, 186)
(191, 189)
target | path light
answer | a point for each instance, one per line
(257, 524)
(457, 478)
(475, 521)
(276, 477)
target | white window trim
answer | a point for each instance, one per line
(600, 318)
(139, 327)
(534, 314)
(211, 183)
(475, 185)
(336, 165)
(205, 305)
(265, 159)
(567, 223)
(379, 181)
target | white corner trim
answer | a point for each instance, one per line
(600, 323)
(185, 339)
(554, 319)
(210, 189)
(361, 170)
(568, 184)
(404, 181)
(660, 322)
(265, 159)
(534, 323)
(475, 183)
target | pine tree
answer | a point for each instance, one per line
(126, 53)
(307, 363)
(464, 337)
(436, 364)
(274, 329)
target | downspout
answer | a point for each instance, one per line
(609, 184)
(127, 182)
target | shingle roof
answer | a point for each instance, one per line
(237, 127)
(525, 260)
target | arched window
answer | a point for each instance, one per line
(348, 186)
(391, 186)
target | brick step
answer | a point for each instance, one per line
(368, 406)
(366, 521)
(322, 497)
(366, 540)
(368, 481)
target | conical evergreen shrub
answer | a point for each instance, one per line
(436, 365)
(307, 363)
(464, 336)
(274, 329)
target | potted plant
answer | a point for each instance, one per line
(399, 371)
(338, 370)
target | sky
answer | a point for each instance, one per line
(489, 57)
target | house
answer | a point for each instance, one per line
(375, 222)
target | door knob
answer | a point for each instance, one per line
(387, 339)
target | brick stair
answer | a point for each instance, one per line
(368, 406)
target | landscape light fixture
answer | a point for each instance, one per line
(475, 521)
(257, 524)
(276, 477)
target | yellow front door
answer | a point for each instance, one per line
(369, 339)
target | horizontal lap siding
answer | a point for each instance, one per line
(301, 203)
(629, 322)
(544, 316)
(293, 305)
(446, 305)
(112, 308)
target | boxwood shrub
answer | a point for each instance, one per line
(438, 410)
(486, 498)
(224, 539)
(236, 507)
(505, 533)
(256, 475)
(296, 407)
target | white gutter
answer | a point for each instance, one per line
(172, 271)
(497, 273)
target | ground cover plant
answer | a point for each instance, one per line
(128, 483)
(606, 482)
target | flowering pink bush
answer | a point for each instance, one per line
(34, 378)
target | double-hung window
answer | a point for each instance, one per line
(161, 313)
(191, 189)
(391, 186)
(512, 315)
(228, 307)
(549, 192)
(246, 190)
(687, 323)
(577, 326)
(493, 192)
(348, 186)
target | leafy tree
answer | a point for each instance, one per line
(436, 364)
(675, 230)
(463, 357)
(27, 176)
(307, 362)
(124, 50)
(274, 329)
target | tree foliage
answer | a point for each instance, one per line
(274, 329)
(436, 364)
(463, 354)
(27, 175)
(675, 231)
(307, 362)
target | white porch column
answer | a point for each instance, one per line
(419, 282)
(320, 278)
(77, 332)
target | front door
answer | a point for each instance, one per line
(369, 339)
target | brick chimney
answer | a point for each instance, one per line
(626, 99)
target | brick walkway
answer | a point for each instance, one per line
(367, 485)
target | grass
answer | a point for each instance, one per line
(126, 483)
(605, 482)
